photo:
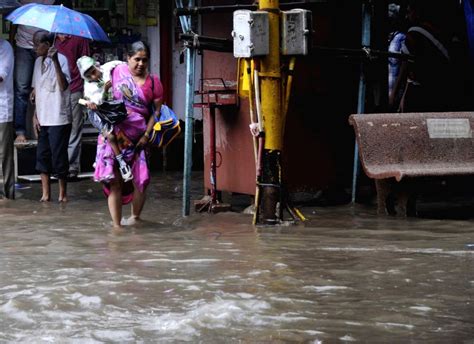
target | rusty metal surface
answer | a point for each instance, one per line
(235, 163)
(415, 144)
(317, 151)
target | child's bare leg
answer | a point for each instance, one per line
(62, 190)
(113, 144)
(124, 169)
(46, 187)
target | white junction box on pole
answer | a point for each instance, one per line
(250, 33)
(296, 29)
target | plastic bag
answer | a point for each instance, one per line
(112, 112)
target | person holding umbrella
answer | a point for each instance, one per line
(53, 113)
(57, 19)
(21, 38)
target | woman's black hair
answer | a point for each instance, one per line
(44, 37)
(138, 46)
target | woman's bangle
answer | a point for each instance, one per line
(146, 134)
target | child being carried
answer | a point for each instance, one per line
(97, 84)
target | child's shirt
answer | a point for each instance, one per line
(53, 106)
(94, 90)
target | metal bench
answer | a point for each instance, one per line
(32, 144)
(400, 146)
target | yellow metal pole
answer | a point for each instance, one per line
(270, 207)
(270, 80)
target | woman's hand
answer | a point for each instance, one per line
(143, 140)
(107, 86)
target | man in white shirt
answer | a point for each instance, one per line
(21, 37)
(53, 115)
(6, 119)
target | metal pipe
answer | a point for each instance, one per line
(213, 172)
(185, 22)
(261, 139)
(189, 111)
(364, 52)
(208, 39)
(230, 8)
(366, 23)
(211, 9)
(257, 100)
(249, 71)
(286, 102)
(208, 43)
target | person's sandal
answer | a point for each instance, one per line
(126, 172)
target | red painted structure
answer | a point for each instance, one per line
(319, 142)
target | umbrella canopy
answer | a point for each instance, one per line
(58, 19)
(8, 5)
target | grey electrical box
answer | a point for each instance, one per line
(250, 33)
(296, 29)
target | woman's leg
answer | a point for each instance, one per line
(115, 202)
(137, 204)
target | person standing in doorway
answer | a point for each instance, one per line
(428, 79)
(6, 119)
(73, 48)
(21, 37)
(396, 40)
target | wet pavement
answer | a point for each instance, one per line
(344, 276)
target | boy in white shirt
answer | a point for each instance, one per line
(6, 119)
(97, 85)
(53, 113)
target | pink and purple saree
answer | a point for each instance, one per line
(138, 101)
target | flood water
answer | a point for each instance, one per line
(345, 276)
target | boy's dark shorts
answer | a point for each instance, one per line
(51, 153)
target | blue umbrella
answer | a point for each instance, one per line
(58, 19)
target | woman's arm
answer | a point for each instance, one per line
(151, 122)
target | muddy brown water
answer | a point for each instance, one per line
(345, 276)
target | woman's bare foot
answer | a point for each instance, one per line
(116, 228)
(62, 199)
(20, 139)
(45, 199)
